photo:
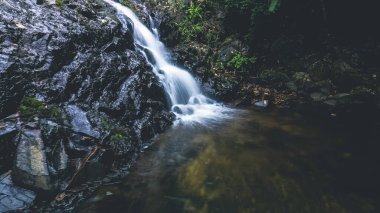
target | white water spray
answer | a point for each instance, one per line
(186, 99)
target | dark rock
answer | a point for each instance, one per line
(7, 128)
(78, 60)
(325, 87)
(344, 76)
(230, 47)
(195, 56)
(317, 96)
(303, 82)
(274, 77)
(31, 165)
(39, 52)
(13, 198)
(80, 122)
(291, 86)
(60, 157)
(8, 131)
(301, 78)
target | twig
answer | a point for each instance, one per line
(82, 165)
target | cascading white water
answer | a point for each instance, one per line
(185, 96)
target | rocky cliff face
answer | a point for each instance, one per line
(71, 70)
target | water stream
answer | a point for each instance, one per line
(185, 96)
(239, 160)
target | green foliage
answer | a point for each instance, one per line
(31, 106)
(258, 10)
(192, 23)
(240, 62)
(104, 124)
(116, 133)
(194, 13)
(126, 3)
(53, 112)
(59, 3)
(274, 5)
(119, 135)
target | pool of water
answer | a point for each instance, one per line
(254, 162)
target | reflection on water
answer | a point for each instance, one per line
(256, 162)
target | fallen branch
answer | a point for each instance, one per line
(76, 174)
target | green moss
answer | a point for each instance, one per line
(119, 135)
(127, 3)
(59, 3)
(53, 112)
(31, 106)
(104, 124)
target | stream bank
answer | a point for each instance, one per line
(79, 103)
(257, 161)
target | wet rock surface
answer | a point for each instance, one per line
(8, 131)
(87, 98)
(31, 168)
(13, 198)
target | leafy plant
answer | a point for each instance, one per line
(194, 13)
(274, 5)
(192, 23)
(239, 62)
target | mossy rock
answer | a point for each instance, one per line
(119, 135)
(32, 107)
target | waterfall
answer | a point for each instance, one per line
(185, 96)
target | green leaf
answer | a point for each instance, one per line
(274, 5)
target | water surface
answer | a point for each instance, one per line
(255, 162)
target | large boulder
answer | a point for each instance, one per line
(31, 166)
(77, 63)
(79, 55)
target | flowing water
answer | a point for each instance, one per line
(228, 160)
(255, 162)
(184, 93)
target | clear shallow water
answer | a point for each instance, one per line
(255, 162)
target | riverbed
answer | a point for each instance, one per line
(253, 161)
